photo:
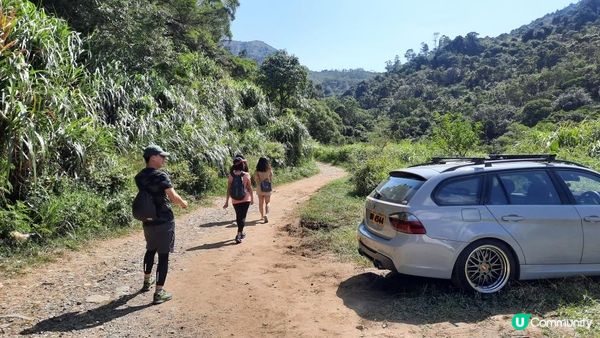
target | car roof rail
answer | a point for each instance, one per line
(572, 163)
(539, 157)
(504, 158)
(534, 157)
(444, 160)
(507, 158)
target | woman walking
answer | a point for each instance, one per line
(239, 188)
(263, 178)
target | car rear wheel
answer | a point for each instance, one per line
(485, 266)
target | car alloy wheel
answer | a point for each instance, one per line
(485, 267)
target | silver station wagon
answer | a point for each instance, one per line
(484, 221)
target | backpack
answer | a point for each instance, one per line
(265, 186)
(143, 207)
(238, 190)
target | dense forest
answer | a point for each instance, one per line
(547, 71)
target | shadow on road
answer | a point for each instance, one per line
(418, 300)
(248, 224)
(229, 224)
(216, 245)
(85, 320)
(214, 224)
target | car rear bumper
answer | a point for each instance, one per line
(417, 255)
(380, 261)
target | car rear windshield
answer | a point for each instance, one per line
(399, 187)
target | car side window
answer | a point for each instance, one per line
(498, 193)
(584, 187)
(462, 191)
(529, 188)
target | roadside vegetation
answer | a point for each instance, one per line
(329, 220)
(83, 91)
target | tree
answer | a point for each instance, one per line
(424, 49)
(534, 111)
(494, 119)
(322, 123)
(283, 78)
(410, 55)
(145, 34)
(572, 99)
(455, 135)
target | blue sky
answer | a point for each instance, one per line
(344, 34)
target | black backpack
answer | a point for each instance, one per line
(265, 186)
(143, 207)
(238, 190)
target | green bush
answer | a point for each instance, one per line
(289, 131)
(118, 210)
(109, 175)
(194, 177)
(370, 163)
(334, 155)
(74, 210)
(368, 175)
(275, 151)
(15, 217)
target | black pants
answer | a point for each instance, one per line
(161, 269)
(241, 210)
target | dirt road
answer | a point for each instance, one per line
(259, 288)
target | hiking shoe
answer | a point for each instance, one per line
(239, 237)
(161, 296)
(266, 219)
(148, 284)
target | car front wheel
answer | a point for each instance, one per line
(484, 266)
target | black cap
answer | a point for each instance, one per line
(153, 149)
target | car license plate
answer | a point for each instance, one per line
(376, 218)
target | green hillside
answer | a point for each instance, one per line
(337, 82)
(548, 70)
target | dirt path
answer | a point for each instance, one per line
(255, 289)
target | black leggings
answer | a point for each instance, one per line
(241, 210)
(161, 269)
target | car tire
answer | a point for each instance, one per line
(485, 266)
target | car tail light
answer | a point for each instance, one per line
(407, 223)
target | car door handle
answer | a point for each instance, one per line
(593, 219)
(512, 218)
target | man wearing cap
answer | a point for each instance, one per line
(159, 233)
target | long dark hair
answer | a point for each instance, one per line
(263, 165)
